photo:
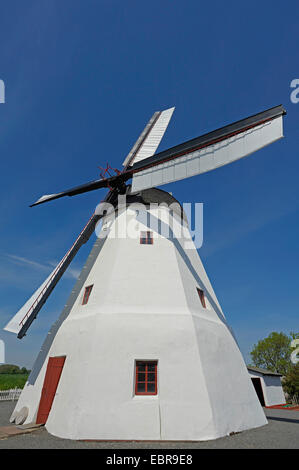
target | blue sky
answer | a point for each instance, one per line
(82, 79)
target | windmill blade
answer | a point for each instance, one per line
(83, 188)
(22, 320)
(210, 151)
(150, 138)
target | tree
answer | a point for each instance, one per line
(9, 369)
(291, 381)
(274, 352)
(13, 369)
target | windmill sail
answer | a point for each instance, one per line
(22, 320)
(15, 324)
(209, 151)
(83, 188)
(150, 138)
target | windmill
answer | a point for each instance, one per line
(142, 349)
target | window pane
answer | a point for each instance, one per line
(151, 367)
(141, 377)
(140, 387)
(151, 377)
(151, 387)
(141, 366)
(149, 238)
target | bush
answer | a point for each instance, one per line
(8, 381)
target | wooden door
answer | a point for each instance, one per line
(53, 373)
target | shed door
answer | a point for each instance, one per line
(53, 373)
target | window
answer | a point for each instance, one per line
(146, 238)
(202, 297)
(146, 378)
(86, 294)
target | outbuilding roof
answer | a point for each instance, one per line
(263, 371)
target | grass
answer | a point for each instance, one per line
(8, 381)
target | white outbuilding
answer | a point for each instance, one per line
(267, 385)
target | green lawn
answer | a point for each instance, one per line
(8, 381)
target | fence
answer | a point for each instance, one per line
(12, 394)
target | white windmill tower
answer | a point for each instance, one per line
(142, 349)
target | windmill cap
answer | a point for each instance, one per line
(157, 196)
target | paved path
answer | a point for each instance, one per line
(282, 432)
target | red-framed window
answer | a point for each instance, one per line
(86, 295)
(146, 378)
(146, 238)
(201, 295)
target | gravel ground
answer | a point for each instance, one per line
(282, 432)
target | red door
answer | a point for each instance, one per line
(53, 373)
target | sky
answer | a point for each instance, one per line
(83, 77)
